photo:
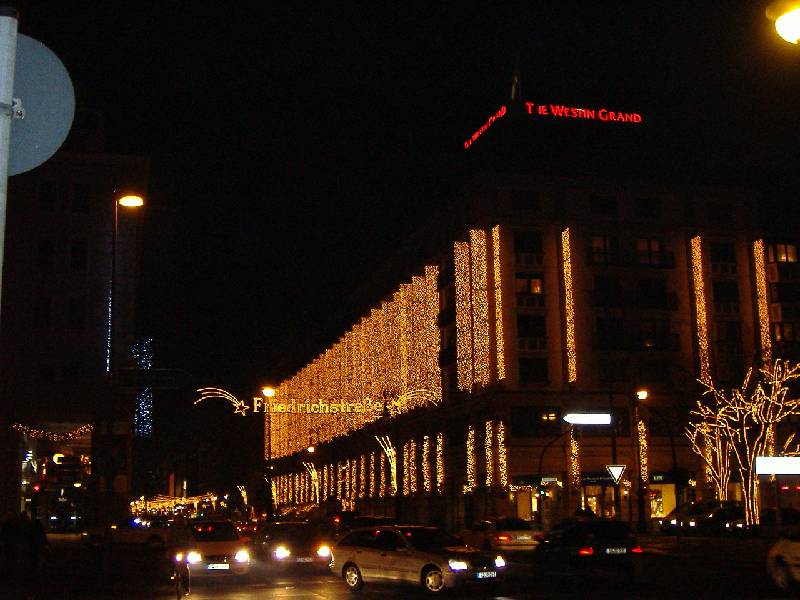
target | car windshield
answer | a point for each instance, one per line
(512, 524)
(293, 531)
(429, 538)
(609, 530)
(214, 532)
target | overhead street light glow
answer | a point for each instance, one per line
(786, 15)
(588, 418)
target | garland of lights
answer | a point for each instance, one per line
(314, 479)
(574, 459)
(372, 475)
(480, 306)
(569, 306)
(471, 475)
(502, 458)
(464, 350)
(391, 456)
(440, 463)
(426, 463)
(762, 301)
(700, 308)
(52, 436)
(362, 485)
(489, 453)
(498, 305)
(382, 491)
(406, 468)
(643, 462)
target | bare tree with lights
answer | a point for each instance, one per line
(741, 425)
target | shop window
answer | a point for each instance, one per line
(782, 253)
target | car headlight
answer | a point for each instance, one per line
(499, 562)
(193, 557)
(740, 525)
(281, 552)
(673, 522)
(324, 551)
(242, 556)
(692, 523)
(179, 557)
(458, 565)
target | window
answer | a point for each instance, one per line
(654, 333)
(549, 421)
(647, 207)
(43, 312)
(78, 258)
(76, 313)
(533, 370)
(603, 249)
(649, 251)
(361, 539)
(81, 197)
(529, 288)
(528, 241)
(48, 196)
(531, 332)
(722, 252)
(605, 206)
(525, 200)
(786, 332)
(45, 256)
(612, 370)
(535, 421)
(782, 253)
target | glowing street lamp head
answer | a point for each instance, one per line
(641, 394)
(786, 15)
(588, 418)
(131, 201)
(268, 392)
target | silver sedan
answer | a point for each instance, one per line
(415, 554)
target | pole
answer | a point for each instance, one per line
(539, 486)
(617, 499)
(8, 56)
(641, 521)
(270, 499)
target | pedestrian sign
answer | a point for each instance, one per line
(615, 471)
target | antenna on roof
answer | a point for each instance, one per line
(516, 91)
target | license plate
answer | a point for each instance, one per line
(524, 538)
(616, 550)
(305, 559)
(218, 566)
(486, 574)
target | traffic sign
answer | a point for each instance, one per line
(615, 471)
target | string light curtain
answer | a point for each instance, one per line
(762, 300)
(698, 280)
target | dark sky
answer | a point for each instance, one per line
(288, 142)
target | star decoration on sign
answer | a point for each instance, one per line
(240, 408)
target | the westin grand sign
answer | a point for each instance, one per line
(560, 111)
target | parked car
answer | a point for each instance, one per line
(153, 532)
(685, 518)
(505, 534)
(211, 548)
(768, 525)
(415, 554)
(783, 561)
(584, 545)
(283, 543)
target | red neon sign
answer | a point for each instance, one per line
(498, 115)
(560, 111)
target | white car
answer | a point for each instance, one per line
(415, 554)
(211, 548)
(783, 561)
(503, 534)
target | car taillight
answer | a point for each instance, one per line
(637, 550)
(503, 538)
(587, 551)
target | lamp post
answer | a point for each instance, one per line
(786, 15)
(269, 393)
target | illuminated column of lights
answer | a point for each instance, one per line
(143, 414)
(372, 475)
(412, 465)
(406, 338)
(763, 303)
(382, 477)
(463, 317)
(502, 459)
(338, 481)
(362, 473)
(770, 445)
(498, 305)
(489, 453)
(426, 463)
(574, 459)
(273, 488)
(332, 484)
(406, 469)
(440, 463)
(353, 480)
(324, 481)
(643, 455)
(569, 307)
(480, 306)
(471, 474)
(698, 279)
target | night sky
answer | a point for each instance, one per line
(291, 145)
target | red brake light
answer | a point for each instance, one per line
(336, 520)
(587, 551)
(37, 487)
(503, 538)
(637, 550)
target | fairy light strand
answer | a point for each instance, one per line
(489, 453)
(569, 306)
(426, 464)
(471, 474)
(502, 458)
(698, 280)
(762, 300)
(463, 316)
(440, 463)
(498, 305)
(480, 306)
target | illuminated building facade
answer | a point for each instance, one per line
(559, 294)
(55, 319)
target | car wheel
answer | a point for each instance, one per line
(433, 580)
(780, 575)
(352, 577)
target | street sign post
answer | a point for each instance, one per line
(616, 472)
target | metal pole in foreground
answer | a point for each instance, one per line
(8, 55)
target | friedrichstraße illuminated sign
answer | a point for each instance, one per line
(560, 111)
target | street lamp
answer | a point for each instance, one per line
(641, 395)
(269, 392)
(786, 15)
